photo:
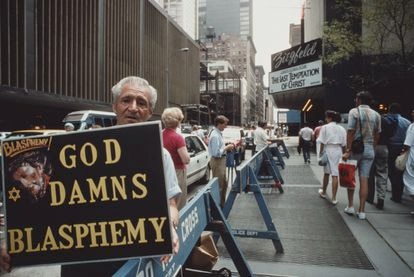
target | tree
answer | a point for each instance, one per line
(342, 36)
(387, 20)
(375, 36)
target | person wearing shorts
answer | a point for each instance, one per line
(362, 121)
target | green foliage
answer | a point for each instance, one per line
(341, 44)
(389, 21)
(341, 41)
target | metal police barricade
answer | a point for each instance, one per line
(274, 150)
(281, 144)
(201, 213)
(231, 163)
(247, 181)
(266, 162)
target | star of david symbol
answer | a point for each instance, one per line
(14, 194)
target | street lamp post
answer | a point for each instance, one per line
(167, 72)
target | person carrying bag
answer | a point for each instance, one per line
(368, 132)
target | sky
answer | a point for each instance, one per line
(271, 19)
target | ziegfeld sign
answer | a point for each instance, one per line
(296, 68)
(300, 54)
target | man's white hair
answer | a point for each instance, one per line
(140, 84)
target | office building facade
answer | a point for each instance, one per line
(185, 13)
(61, 56)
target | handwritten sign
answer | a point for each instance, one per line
(86, 196)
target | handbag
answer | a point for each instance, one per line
(401, 161)
(357, 146)
(323, 159)
(347, 173)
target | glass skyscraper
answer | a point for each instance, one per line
(232, 17)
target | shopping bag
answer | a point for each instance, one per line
(323, 159)
(401, 161)
(347, 173)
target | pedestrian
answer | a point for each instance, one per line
(133, 102)
(395, 145)
(306, 134)
(175, 144)
(365, 123)
(261, 139)
(252, 134)
(332, 141)
(217, 150)
(378, 176)
(316, 135)
(408, 175)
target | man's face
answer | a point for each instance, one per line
(31, 178)
(221, 127)
(132, 105)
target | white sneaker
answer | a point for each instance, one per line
(361, 216)
(349, 210)
(334, 202)
(321, 194)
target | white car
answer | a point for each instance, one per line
(3, 135)
(198, 169)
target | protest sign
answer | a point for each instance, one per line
(86, 196)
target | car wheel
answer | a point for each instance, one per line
(206, 177)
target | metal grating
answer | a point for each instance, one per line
(312, 231)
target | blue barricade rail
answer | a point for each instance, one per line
(265, 160)
(274, 150)
(247, 181)
(201, 213)
(281, 144)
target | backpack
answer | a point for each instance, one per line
(389, 126)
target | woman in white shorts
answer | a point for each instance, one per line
(332, 139)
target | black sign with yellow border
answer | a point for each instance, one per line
(86, 196)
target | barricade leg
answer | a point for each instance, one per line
(220, 225)
(267, 217)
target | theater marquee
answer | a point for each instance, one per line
(300, 76)
(86, 196)
(297, 67)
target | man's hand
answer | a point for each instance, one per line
(175, 239)
(345, 156)
(176, 246)
(4, 259)
(229, 147)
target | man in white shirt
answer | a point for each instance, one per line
(306, 134)
(261, 139)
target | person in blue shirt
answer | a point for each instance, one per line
(217, 150)
(395, 145)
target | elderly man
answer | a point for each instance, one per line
(133, 102)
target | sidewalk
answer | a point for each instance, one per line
(386, 237)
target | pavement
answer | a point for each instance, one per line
(386, 236)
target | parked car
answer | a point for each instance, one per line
(86, 119)
(3, 135)
(248, 138)
(235, 135)
(198, 169)
(34, 132)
